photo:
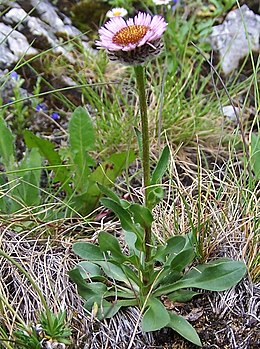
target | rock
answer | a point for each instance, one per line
(233, 39)
(13, 46)
(29, 27)
(231, 112)
(15, 15)
(7, 85)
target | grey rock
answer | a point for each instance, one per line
(231, 112)
(233, 39)
(13, 46)
(7, 85)
(47, 13)
(14, 15)
(6, 56)
(28, 27)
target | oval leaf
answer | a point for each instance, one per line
(141, 215)
(218, 275)
(155, 317)
(88, 251)
(108, 242)
(89, 270)
(81, 133)
(184, 328)
(182, 296)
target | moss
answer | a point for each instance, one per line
(88, 14)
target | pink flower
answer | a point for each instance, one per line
(132, 41)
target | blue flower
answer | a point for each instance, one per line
(14, 75)
(41, 107)
(55, 116)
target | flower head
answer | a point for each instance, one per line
(14, 75)
(132, 41)
(55, 116)
(41, 107)
(117, 12)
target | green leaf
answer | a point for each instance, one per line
(156, 194)
(125, 218)
(255, 154)
(135, 246)
(89, 270)
(107, 242)
(217, 275)
(6, 146)
(132, 275)
(126, 221)
(109, 193)
(47, 150)
(182, 259)
(92, 292)
(168, 276)
(184, 328)
(88, 251)
(173, 246)
(182, 296)
(81, 140)
(103, 177)
(107, 309)
(141, 215)
(109, 170)
(81, 134)
(28, 189)
(161, 167)
(155, 317)
(115, 271)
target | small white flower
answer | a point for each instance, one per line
(117, 12)
(161, 2)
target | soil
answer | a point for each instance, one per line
(230, 331)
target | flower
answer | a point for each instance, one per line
(55, 116)
(14, 75)
(41, 107)
(161, 2)
(132, 41)
(117, 12)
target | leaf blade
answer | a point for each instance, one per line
(184, 328)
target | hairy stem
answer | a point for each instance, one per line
(145, 155)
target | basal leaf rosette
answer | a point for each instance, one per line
(132, 41)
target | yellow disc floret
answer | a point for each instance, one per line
(130, 35)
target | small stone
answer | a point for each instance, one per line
(230, 112)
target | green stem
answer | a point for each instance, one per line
(145, 155)
(140, 78)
